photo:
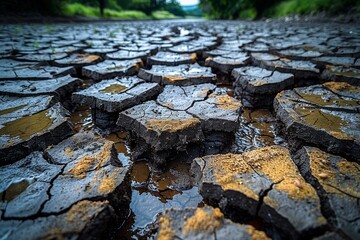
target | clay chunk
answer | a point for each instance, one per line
(263, 182)
(337, 183)
(326, 116)
(203, 223)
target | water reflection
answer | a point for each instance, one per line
(154, 192)
(257, 129)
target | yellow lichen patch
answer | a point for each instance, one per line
(203, 93)
(259, 82)
(227, 169)
(320, 101)
(169, 105)
(107, 184)
(342, 73)
(321, 120)
(285, 59)
(118, 67)
(173, 79)
(104, 155)
(165, 230)
(255, 234)
(227, 102)
(54, 233)
(81, 167)
(11, 110)
(204, 221)
(114, 89)
(87, 58)
(276, 164)
(296, 187)
(192, 56)
(81, 211)
(24, 128)
(171, 125)
(341, 87)
(88, 162)
(322, 170)
(69, 152)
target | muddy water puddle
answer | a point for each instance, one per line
(257, 129)
(154, 191)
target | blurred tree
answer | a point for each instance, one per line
(102, 7)
(21, 7)
(174, 7)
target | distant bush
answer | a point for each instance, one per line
(163, 15)
(233, 9)
(310, 6)
(128, 14)
(75, 9)
(78, 9)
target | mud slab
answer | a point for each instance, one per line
(81, 179)
(182, 75)
(341, 74)
(77, 60)
(325, 116)
(60, 87)
(226, 63)
(21, 135)
(112, 68)
(171, 59)
(16, 70)
(203, 223)
(257, 87)
(265, 183)
(116, 94)
(300, 69)
(204, 115)
(337, 183)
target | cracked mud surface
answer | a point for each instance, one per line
(180, 129)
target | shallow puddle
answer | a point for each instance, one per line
(257, 129)
(152, 193)
(24, 128)
(14, 190)
(11, 110)
(114, 88)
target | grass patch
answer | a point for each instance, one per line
(126, 14)
(289, 7)
(248, 13)
(163, 15)
(78, 9)
(75, 9)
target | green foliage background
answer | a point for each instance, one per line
(129, 9)
(165, 9)
(234, 9)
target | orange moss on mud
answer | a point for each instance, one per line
(82, 211)
(227, 102)
(171, 125)
(90, 162)
(165, 232)
(204, 221)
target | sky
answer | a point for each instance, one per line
(188, 2)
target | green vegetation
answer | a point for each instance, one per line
(163, 15)
(130, 9)
(311, 6)
(122, 9)
(234, 9)
(78, 9)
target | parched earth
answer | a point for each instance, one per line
(180, 130)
